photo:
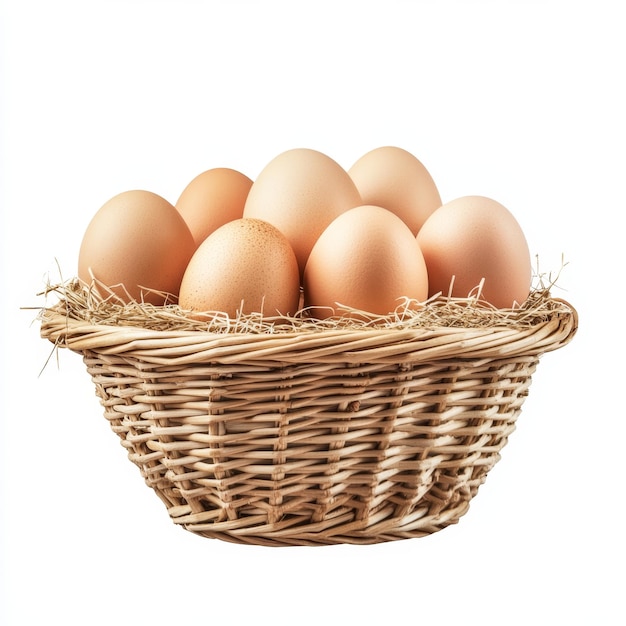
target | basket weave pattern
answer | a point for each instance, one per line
(342, 436)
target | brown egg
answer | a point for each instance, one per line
(396, 180)
(138, 245)
(366, 259)
(211, 199)
(473, 239)
(300, 192)
(245, 266)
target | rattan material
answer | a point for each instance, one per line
(353, 435)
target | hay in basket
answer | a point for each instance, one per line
(289, 432)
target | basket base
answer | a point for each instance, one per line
(340, 529)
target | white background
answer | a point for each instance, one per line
(521, 101)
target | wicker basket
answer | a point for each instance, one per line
(346, 435)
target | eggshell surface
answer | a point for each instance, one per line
(396, 180)
(473, 239)
(366, 259)
(300, 192)
(138, 245)
(245, 266)
(212, 198)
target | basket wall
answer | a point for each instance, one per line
(313, 453)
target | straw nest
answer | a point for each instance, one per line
(81, 302)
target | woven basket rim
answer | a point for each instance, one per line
(543, 325)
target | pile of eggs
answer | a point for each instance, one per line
(306, 233)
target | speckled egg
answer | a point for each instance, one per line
(245, 266)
